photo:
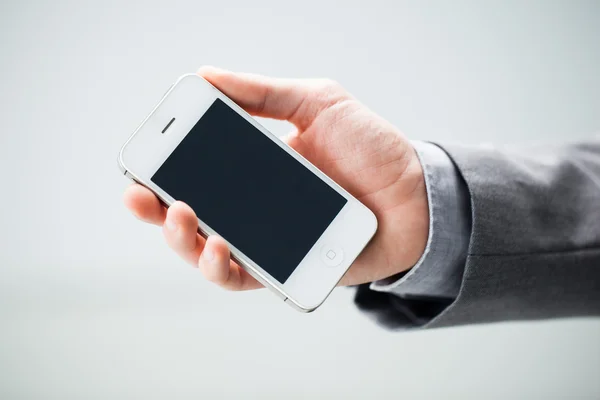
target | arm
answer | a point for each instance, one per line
(534, 249)
(532, 241)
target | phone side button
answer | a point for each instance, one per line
(331, 255)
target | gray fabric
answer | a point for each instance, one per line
(535, 244)
(534, 251)
(438, 273)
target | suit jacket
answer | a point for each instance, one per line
(534, 250)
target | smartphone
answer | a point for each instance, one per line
(287, 223)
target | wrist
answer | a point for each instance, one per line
(438, 272)
(411, 216)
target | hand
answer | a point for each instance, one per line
(362, 152)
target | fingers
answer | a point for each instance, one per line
(210, 255)
(144, 204)
(181, 232)
(297, 100)
(217, 267)
(180, 228)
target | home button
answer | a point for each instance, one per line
(331, 255)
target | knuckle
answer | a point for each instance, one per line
(211, 275)
(329, 92)
(330, 86)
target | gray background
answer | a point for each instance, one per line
(94, 306)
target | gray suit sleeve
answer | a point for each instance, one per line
(534, 251)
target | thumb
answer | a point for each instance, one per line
(296, 100)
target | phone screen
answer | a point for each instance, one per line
(249, 190)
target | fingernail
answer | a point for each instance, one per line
(171, 225)
(208, 255)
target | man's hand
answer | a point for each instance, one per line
(362, 152)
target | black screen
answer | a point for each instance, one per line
(249, 190)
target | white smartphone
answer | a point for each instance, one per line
(289, 225)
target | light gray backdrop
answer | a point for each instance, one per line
(94, 306)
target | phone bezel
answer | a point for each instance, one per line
(147, 148)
